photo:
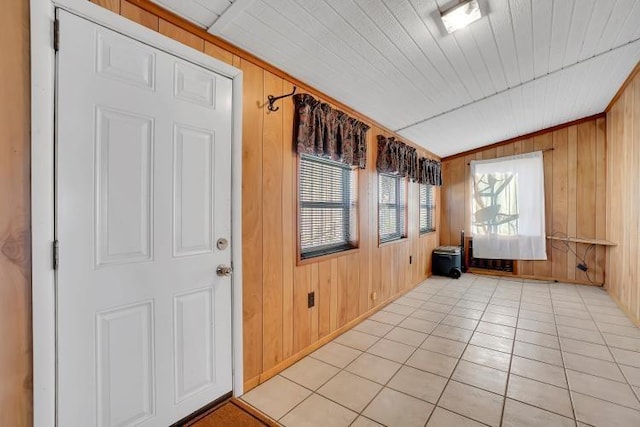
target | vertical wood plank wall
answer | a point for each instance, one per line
(623, 198)
(278, 326)
(575, 190)
(15, 265)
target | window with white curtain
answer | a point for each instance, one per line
(508, 207)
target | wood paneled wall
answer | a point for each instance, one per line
(575, 190)
(278, 326)
(15, 266)
(623, 197)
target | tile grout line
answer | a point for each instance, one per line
(513, 344)
(461, 354)
(612, 356)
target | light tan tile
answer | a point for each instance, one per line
(632, 374)
(536, 315)
(460, 322)
(419, 325)
(500, 319)
(536, 326)
(391, 350)
(601, 413)
(393, 408)
(537, 338)
(443, 345)
(435, 363)
(411, 302)
(316, 411)
(398, 309)
(586, 349)
(310, 372)
(590, 365)
(472, 402)
(419, 295)
(616, 320)
(626, 343)
(496, 330)
(487, 357)
(480, 376)
(518, 414)
(452, 333)
(580, 314)
(387, 317)
(444, 300)
(541, 308)
(443, 418)
(545, 396)
(474, 305)
(276, 397)
(432, 316)
(593, 337)
(350, 390)
(365, 422)
(489, 341)
(538, 371)
(417, 383)
(336, 354)
(602, 388)
(434, 306)
(536, 352)
(626, 357)
(356, 339)
(372, 327)
(576, 323)
(500, 309)
(373, 367)
(406, 336)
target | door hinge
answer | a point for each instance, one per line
(56, 34)
(55, 254)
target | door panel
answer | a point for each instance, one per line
(143, 191)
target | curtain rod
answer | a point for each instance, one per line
(543, 150)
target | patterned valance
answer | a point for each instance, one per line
(323, 131)
(397, 158)
(430, 171)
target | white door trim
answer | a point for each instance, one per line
(42, 186)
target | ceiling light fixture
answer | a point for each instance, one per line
(461, 15)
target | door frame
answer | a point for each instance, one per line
(43, 83)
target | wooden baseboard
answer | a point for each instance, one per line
(630, 315)
(270, 373)
(531, 277)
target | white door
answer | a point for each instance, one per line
(143, 194)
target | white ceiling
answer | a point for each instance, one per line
(526, 65)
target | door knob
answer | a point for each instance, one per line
(224, 270)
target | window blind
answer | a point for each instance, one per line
(391, 207)
(426, 208)
(327, 203)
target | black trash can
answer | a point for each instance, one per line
(447, 261)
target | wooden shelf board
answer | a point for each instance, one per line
(579, 240)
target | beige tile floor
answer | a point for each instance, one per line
(470, 352)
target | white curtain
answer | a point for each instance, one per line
(508, 207)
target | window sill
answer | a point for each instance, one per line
(392, 242)
(426, 233)
(326, 257)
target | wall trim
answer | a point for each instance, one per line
(246, 56)
(525, 136)
(42, 15)
(626, 83)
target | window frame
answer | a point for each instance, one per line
(400, 182)
(432, 208)
(328, 251)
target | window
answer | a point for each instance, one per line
(328, 208)
(391, 207)
(426, 208)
